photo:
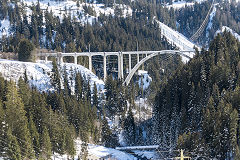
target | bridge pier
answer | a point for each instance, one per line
(137, 58)
(104, 67)
(120, 65)
(130, 63)
(46, 58)
(90, 62)
(75, 59)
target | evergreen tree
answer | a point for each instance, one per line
(15, 110)
(24, 50)
(129, 129)
(95, 96)
(106, 133)
(13, 151)
(34, 136)
(45, 145)
(55, 77)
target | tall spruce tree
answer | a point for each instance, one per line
(15, 110)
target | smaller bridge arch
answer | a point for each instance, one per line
(136, 67)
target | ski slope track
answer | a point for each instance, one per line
(39, 74)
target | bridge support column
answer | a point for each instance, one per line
(122, 66)
(90, 62)
(75, 59)
(137, 58)
(104, 67)
(46, 59)
(130, 63)
(119, 65)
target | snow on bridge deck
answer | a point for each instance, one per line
(138, 147)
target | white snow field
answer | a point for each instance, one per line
(181, 3)
(96, 150)
(39, 73)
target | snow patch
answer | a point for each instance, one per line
(69, 7)
(97, 151)
(225, 28)
(39, 74)
(4, 28)
(144, 79)
(182, 4)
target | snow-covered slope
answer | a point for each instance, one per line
(225, 28)
(181, 3)
(70, 7)
(39, 73)
(97, 151)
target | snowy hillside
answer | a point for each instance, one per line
(71, 7)
(68, 7)
(225, 28)
(97, 151)
(39, 73)
(181, 3)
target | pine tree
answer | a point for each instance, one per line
(95, 96)
(78, 86)
(106, 133)
(129, 129)
(13, 151)
(55, 77)
(2, 129)
(45, 145)
(34, 136)
(25, 49)
(15, 110)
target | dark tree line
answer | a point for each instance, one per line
(197, 109)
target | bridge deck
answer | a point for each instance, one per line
(101, 53)
(138, 147)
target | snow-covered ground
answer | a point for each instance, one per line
(39, 73)
(97, 151)
(181, 3)
(236, 35)
(144, 79)
(70, 7)
(4, 27)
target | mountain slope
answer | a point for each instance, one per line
(39, 73)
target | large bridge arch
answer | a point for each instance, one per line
(136, 67)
